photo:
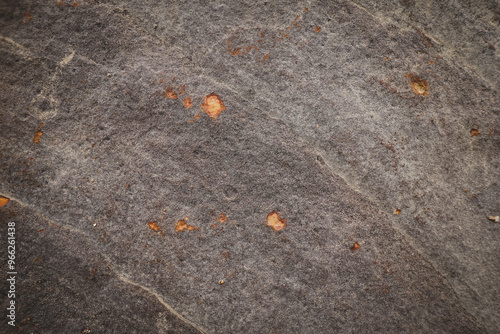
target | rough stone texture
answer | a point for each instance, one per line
(321, 124)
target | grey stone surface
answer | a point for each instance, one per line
(322, 124)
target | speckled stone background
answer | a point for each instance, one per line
(322, 124)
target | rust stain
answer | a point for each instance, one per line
(294, 23)
(420, 86)
(170, 93)
(213, 105)
(222, 218)
(154, 226)
(3, 201)
(474, 132)
(195, 118)
(74, 4)
(355, 247)
(28, 16)
(187, 102)
(274, 220)
(182, 90)
(397, 211)
(38, 135)
(60, 3)
(427, 39)
(318, 29)
(182, 226)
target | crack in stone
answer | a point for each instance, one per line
(120, 275)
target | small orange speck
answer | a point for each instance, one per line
(305, 9)
(420, 86)
(222, 218)
(182, 226)
(274, 220)
(3, 201)
(213, 105)
(60, 3)
(41, 231)
(214, 225)
(318, 29)
(187, 102)
(182, 90)
(170, 93)
(38, 135)
(74, 4)
(355, 247)
(28, 16)
(431, 62)
(397, 211)
(474, 132)
(195, 118)
(154, 226)
(386, 58)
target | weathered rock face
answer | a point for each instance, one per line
(258, 167)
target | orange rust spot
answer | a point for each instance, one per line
(294, 23)
(74, 4)
(154, 226)
(182, 226)
(420, 86)
(187, 102)
(195, 118)
(3, 201)
(474, 132)
(431, 62)
(38, 135)
(355, 247)
(274, 220)
(222, 218)
(213, 225)
(28, 16)
(267, 56)
(318, 29)
(397, 211)
(213, 105)
(60, 3)
(386, 58)
(182, 90)
(305, 9)
(261, 34)
(170, 93)
(41, 231)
